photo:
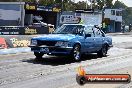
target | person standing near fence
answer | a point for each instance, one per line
(80, 21)
(130, 27)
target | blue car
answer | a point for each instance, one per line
(72, 40)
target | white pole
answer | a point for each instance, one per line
(86, 4)
(62, 6)
(21, 13)
(91, 4)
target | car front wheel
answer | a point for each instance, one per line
(38, 55)
(76, 54)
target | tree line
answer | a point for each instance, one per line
(70, 5)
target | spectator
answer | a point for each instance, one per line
(130, 27)
(104, 27)
(123, 28)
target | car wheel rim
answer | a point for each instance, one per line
(77, 53)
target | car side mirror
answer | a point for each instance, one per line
(87, 35)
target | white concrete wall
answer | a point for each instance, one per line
(112, 17)
(92, 19)
(118, 18)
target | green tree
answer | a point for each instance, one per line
(8, 0)
(118, 5)
(106, 3)
(126, 12)
(46, 2)
(17, 0)
(81, 5)
(109, 3)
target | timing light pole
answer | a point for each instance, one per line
(86, 4)
(62, 6)
(91, 6)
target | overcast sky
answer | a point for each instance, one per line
(126, 2)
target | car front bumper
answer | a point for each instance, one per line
(51, 49)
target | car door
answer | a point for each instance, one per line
(89, 40)
(98, 39)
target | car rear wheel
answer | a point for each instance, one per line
(103, 51)
(76, 54)
(38, 55)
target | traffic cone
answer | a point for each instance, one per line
(81, 71)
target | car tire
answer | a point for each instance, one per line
(80, 80)
(76, 52)
(103, 51)
(38, 55)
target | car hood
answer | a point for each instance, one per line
(55, 37)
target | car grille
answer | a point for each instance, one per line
(47, 43)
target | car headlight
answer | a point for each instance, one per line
(62, 44)
(34, 42)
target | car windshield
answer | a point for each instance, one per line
(69, 29)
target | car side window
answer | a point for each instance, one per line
(97, 32)
(81, 30)
(78, 30)
(89, 30)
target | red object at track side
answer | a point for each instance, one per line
(3, 43)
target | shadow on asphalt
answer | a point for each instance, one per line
(59, 60)
(119, 34)
(128, 48)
